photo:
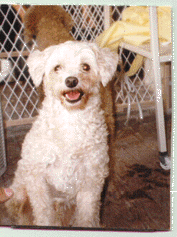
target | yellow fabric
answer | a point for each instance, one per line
(137, 63)
(134, 28)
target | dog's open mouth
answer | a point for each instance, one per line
(73, 96)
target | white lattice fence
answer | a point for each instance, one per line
(19, 97)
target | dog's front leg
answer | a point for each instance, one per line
(88, 208)
(40, 200)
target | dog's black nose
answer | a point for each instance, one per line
(71, 82)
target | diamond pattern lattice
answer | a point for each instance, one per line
(89, 21)
(19, 97)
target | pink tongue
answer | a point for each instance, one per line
(73, 95)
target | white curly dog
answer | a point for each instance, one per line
(65, 154)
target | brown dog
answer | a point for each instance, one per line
(50, 25)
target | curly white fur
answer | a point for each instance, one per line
(65, 154)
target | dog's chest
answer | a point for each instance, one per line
(65, 175)
(76, 142)
(68, 138)
(71, 133)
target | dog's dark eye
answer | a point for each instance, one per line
(56, 68)
(86, 67)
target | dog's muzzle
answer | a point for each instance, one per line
(73, 95)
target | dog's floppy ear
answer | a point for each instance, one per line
(107, 63)
(36, 64)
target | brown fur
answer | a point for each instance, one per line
(49, 25)
(21, 211)
(64, 213)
